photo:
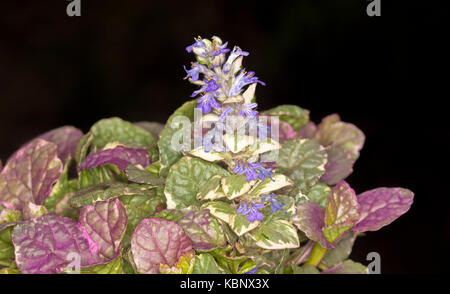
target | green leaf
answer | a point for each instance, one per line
(347, 267)
(62, 187)
(318, 193)
(137, 174)
(185, 179)
(140, 207)
(206, 264)
(231, 263)
(303, 161)
(10, 215)
(240, 225)
(342, 211)
(112, 267)
(267, 186)
(90, 195)
(167, 154)
(117, 130)
(276, 234)
(83, 148)
(236, 185)
(185, 265)
(220, 209)
(341, 251)
(95, 176)
(9, 271)
(292, 114)
(6, 247)
(210, 190)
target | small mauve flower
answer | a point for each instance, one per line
(225, 112)
(210, 86)
(196, 69)
(206, 102)
(252, 271)
(198, 44)
(247, 109)
(232, 57)
(264, 173)
(242, 80)
(274, 203)
(248, 169)
(252, 210)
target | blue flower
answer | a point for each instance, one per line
(248, 169)
(219, 49)
(247, 109)
(209, 86)
(232, 57)
(264, 173)
(252, 271)
(209, 141)
(242, 80)
(274, 203)
(206, 102)
(252, 210)
(196, 69)
(225, 112)
(198, 44)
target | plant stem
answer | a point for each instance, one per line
(316, 255)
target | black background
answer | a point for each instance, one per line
(124, 58)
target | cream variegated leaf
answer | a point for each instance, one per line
(236, 185)
(267, 186)
(220, 210)
(241, 225)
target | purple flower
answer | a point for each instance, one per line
(209, 141)
(198, 44)
(274, 203)
(196, 69)
(248, 169)
(252, 271)
(247, 109)
(243, 79)
(225, 112)
(232, 57)
(206, 102)
(210, 86)
(264, 173)
(252, 210)
(219, 49)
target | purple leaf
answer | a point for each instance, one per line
(66, 138)
(204, 230)
(307, 131)
(285, 132)
(104, 225)
(342, 211)
(157, 242)
(47, 244)
(380, 207)
(120, 156)
(339, 165)
(310, 220)
(30, 173)
(333, 132)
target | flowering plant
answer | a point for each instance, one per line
(220, 188)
